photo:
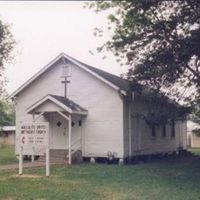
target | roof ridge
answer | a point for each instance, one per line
(123, 84)
(66, 99)
(96, 68)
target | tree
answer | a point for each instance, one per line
(196, 114)
(7, 113)
(159, 40)
(6, 46)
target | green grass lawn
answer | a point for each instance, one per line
(7, 155)
(156, 181)
(195, 151)
(174, 179)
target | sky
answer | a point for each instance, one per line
(44, 29)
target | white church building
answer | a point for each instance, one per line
(92, 111)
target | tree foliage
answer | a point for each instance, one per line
(196, 118)
(6, 46)
(7, 43)
(159, 40)
(7, 113)
(196, 114)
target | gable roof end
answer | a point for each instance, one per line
(113, 81)
(65, 103)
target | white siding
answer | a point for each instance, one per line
(194, 141)
(102, 129)
(142, 140)
(48, 106)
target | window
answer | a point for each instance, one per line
(173, 129)
(66, 70)
(164, 130)
(153, 131)
(72, 124)
(59, 124)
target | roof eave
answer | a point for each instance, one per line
(48, 97)
(80, 113)
(35, 76)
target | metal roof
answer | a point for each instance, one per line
(65, 103)
(69, 103)
(123, 84)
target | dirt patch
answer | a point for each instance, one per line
(28, 176)
(3, 179)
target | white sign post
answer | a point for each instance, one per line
(34, 140)
(20, 161)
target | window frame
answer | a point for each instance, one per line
(164, 131)
(173, 129)
(153, 131)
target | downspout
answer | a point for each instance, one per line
(130, 126)
(14, 100)
(123, 95)
(129, 132)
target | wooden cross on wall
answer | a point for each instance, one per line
(65, 82)
(66, 73)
